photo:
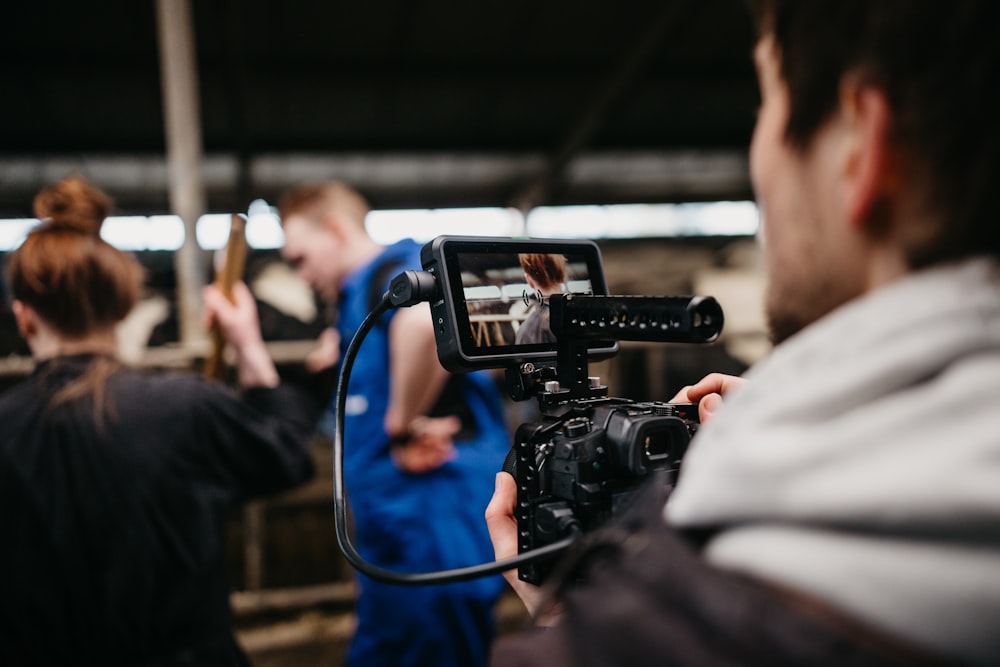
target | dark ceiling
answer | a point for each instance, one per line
(419, 102)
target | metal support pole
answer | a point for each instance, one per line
(182, 119)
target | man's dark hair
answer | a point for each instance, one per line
(939, 65)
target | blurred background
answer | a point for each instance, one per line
(627, 123)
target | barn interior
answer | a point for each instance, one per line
(571, 109)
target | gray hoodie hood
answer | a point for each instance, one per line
(861, 463)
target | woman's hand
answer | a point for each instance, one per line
(237, 320)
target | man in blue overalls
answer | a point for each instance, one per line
(421, 446)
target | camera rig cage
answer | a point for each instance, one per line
(580, 463)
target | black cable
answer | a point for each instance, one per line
(340, 506)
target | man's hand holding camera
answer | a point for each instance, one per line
(708, 393)
(503, 532)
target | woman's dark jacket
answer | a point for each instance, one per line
(112, 549)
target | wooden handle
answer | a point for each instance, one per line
(232, 271)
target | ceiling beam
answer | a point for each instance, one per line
(536, 191)
(139, 183)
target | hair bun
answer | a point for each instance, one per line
(75, 204)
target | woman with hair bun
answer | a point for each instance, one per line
(115, 483)
(545, 274)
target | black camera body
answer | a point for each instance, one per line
(582, 460)
(577, 469)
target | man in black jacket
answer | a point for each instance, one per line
(842, 506)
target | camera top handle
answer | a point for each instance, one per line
(576, 319)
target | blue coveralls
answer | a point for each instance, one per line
(416, 523)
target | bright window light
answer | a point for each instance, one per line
(138, 232)
(166, 232)
(212, 230)
(14, 231)
(263, 231)
(644, 220)
(126, 232)
(263, 226)
(424, 224)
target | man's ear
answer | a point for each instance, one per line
(336, 224)
(870, 171)
(26, 319)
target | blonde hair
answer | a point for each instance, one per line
(316, 200)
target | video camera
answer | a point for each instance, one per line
(581, 461)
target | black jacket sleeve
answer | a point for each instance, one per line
(235, 446)
(641, 594)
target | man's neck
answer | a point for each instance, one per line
(364, 251)
(886, 264)
(49, 345)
